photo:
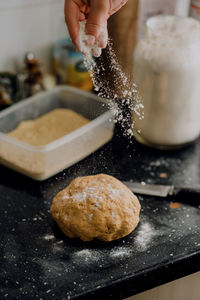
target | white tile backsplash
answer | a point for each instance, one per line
(57, 23)
(29, 25)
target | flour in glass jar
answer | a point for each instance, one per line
(167, 72)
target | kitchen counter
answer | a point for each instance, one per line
(39, 262)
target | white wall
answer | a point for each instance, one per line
(29, 25)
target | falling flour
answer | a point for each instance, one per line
(110, 82)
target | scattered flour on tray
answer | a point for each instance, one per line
(48, 237)
(120, 252)
(144, 235)
(87, 256)
(90, 256)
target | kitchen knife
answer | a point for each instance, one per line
(163, 190)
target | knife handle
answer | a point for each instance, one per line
(187, 193)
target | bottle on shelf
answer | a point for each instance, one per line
(32, 78)
(5, 99)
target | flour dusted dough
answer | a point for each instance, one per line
(98, 206)
(48, 127)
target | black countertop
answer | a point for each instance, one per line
(39, 262)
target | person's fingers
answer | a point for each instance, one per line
(103, 38)
(96, 52)
(117, 6)
(72, 17)
(90, 40)
(97, 19)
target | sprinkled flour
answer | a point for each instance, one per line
(49, 237)
(87, 255)
(84, 253)
(120, 252)
(80, 197)
(144, 236)
(110, 82)
(99, 256)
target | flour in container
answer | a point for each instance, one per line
(167, 72)
(49, 127)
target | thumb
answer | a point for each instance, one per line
(97, 19)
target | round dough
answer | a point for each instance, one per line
(98, 206)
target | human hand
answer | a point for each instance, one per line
(96, 14)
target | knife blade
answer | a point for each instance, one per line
(163, 190)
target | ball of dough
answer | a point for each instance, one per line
(98, 206)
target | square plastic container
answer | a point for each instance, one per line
(42, 162)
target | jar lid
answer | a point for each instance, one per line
(173, 28)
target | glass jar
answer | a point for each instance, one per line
(167, 73)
